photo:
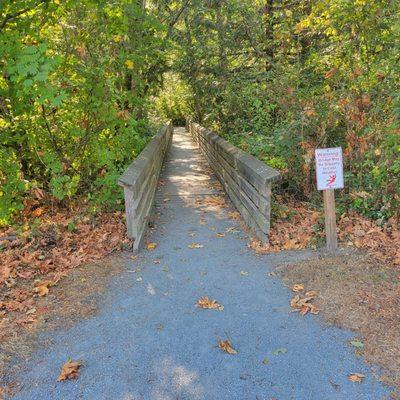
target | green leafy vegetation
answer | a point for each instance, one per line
(82, 85)
(75, 83)
(280, 79)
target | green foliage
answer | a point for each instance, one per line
(76, 79)
(280, 79)
(80, 81)
(173, 103)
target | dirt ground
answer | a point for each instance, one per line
(76, 297)
(360, 294)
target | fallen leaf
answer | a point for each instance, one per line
(303, 305)
(219, 235)
(357, 343)
(294, 302)
(232, 230)
(244, 273)
(42, 288)
(266, 361)
(312, 294)
(279, 351)
(207, 303)
(4, 273)
(195, 246)
(226, 346)
(297, 287)
(356, 377)
(70, 370)
(151, 246)
(38, 212)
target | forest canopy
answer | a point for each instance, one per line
(83, 85)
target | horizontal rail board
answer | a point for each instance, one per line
(246, 180)
(259, 198)
(260, 218)
(140, 184)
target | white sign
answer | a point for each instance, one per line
(329, 166)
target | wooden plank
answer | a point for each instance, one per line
(140, 183)
(237, 187)
(255, 171)
(246, 215)
(128, 196)
(261, 199)
(136, 172)
(330, 219)
(226, 179)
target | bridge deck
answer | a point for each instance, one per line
(149, 341)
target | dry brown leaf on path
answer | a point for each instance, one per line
(151, 246)
(195, 246)
(207, 303)
(298, 287)
(294, 302)
(303, 305)
(235, 215)
(70, 370)
(356, 377)
(4, 273)
(312, 294)
(42, 288)
(226, 346)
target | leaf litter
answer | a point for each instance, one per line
(70, 370)
(358, 293)
(226, 346)
(206, 303)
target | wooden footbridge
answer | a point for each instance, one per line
(246, 180)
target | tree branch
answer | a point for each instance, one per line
(10, 17)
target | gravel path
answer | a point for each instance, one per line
(149, 341)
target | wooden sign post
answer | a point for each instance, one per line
(329, 168)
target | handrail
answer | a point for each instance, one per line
(246, 179)
(140, 183)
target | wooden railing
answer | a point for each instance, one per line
(246, 179)
(140, 183)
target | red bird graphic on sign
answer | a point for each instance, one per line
(331, 179)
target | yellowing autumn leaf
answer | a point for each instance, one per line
(129, 64)
(226, 346)
(42, 288)
(356, 377)
(38, 212)
(297, 287)
(70, 370)
(151, 246)
(195, 246)
(206, 302)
